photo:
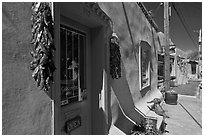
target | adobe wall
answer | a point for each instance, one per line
(141, 31)
(181, 75)
(25, 109)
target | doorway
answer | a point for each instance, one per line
(81, 40)
(75, 103)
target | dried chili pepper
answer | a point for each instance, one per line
(115, 57)
(42, 39)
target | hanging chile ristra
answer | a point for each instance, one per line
(42, 40)
(115, 57)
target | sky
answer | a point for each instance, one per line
(191, 12)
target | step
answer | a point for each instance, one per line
(141, 106)
(116, 131)
(159, 118)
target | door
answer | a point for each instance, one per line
(75, 102)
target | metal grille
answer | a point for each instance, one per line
(72, 43)
(145, 64)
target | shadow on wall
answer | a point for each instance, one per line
(25, 109)
(145, 90)
(123, 111)
(99, 100)
(121, 121)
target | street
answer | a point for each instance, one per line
(186, 116)
(187, 89)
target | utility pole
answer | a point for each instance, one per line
(199, 54)
(166, 55)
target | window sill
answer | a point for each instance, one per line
(145, 89)
(145, 86)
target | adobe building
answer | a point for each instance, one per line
(178, 63)
(181, 67)
(194, 69)
(94, 67)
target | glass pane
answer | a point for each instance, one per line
(145, 62)
(161, 70)
(75, 65)
(71, 45)
(63, 54)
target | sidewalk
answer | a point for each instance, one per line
(180, 121)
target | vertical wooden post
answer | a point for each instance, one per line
(52, 89)
(199, 55)
(166, 55)
(56, 91)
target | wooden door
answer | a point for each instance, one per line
(75, 102)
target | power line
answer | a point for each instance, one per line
(184, 25)
(154, 12)
(157, 9)
(128, 25)
(181, 19)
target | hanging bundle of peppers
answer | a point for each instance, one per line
(115, 57)
(42, 40)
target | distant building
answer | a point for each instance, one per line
(178, 63)
(193, 69)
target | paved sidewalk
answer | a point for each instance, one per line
(185, 117)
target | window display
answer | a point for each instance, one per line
(72, 44)
(145, 56)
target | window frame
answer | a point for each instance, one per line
(144, 46)
(81, 89)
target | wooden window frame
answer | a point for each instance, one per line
(144, 46)
(81, 86)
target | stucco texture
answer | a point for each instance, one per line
(141, 30)
(25, 109)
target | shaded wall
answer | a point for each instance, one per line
(141, 31)
(25, 109)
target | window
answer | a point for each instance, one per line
(72, 69)
(160, 66)
(193, 68)
(144, 61)
(172, 68)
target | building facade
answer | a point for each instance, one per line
(105, 57)
(178, 63)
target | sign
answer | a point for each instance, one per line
(73, 123)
